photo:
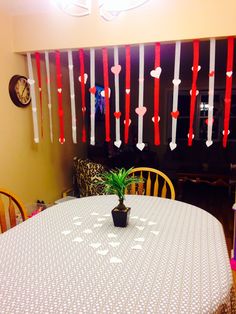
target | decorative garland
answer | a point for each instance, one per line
(83, 79)
(92, 91)
(49, 94)
(31, 82)
(37, 58)
(59, 96)
(194, 92)
(176, 82)
(127, 120)
(228, 89)
(106, 93)
(72, 96)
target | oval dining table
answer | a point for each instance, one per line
(171, 258)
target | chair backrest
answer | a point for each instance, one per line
(13, 204)
(154, 182)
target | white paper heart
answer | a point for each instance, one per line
(59, 90)
(223, 132)
(172, 145)
(198, 68)
(197, 92)
(139, 239)
(192, 136)
(129, 121)
(94, 214)
(85, 78)
(103, 93)
(140, 146)
(155, 232)
(87, 231)
(229, 73)
(114, 244)
(102, 252)
(151, 223)
(101, 219)
(78, 223)
(153, 119)
(156, 73)
(78, 239)
(115, 260)
(176, 82)
(65, 232)
(36, 140)
(97, 225)
(117, 143)
(136, 247)
(31, 81)
(34, 109)
(95, 245)
(143, 219)
(140, 228)
(127, 91)
(92, 140)
(209, 143)
(112, 235)
(70, 66)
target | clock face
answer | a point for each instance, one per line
(19, 90)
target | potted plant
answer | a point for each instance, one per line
(115, 182)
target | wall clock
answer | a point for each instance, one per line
(19, 90)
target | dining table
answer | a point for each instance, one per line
(70, 258)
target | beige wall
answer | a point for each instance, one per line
(31, 171)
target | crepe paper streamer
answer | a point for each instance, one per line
(59, 96)
(49, 94)
(176, 81)
(228, 89)
(193, 91)
(140, 145)
(116, 70)
(156, 94)
(33, 98)
(92, 96)
(83, 77)
(127, 94)
(72, 96)
(37, 59)
(107, 93)
(211, 91)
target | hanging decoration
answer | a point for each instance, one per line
(228, 89)
(92, 91)
(193, 92)
(83, 79)
(49, 94)
(59, 96)
(72, 96)
(141, 110)
(211, 74)
(106, 93)
(156, 74)
(31, 81)
(127, 94)
(176, 82)
(37, 59)
(116, 71)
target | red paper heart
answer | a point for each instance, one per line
(92, 90)
(175, 114)
(207, 121)
(117, 114)
(212, 73)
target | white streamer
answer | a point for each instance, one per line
(72, 96)
(31, 81)
(140, 110)
(211, 92)
(92, 96)
(117, 142)
(49, 94)
(176, 81)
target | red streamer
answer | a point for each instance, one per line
(59, 96)
(194, 89)
(106, 90)
(228, 88)
(127, 93)
(37, 58)
(156, 96)
(81, 60)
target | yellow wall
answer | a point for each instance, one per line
(31, 171)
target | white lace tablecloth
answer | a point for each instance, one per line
(172, 258)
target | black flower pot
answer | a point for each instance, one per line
(120, 215)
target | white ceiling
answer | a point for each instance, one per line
(20, 7)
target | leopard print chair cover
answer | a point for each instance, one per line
(87, 173)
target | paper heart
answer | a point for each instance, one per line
(62, 140)
(118, 143)
(141, 111)
(211, 74)
(153, 119)
(114, 244)
(103, 93)
(141, 79)
(70, 66)
(223, 132)
(192, 136)
(31, 81)
(229, 73)
(127, 90)
(116, 69)
(140, 228)
(102, 252)
(59, 90)
(198, 68)
(139, 239)
(172, 145)
(95, 245)
(65, 232)
(176, 82)
(227, 100)
(175, 114)
(117, 114)
(112, 235)
(115, 260)
(34, 109)
(155, 232)
(209, 143)
(85, 78)
(129, 121)
(136, 247)
(78, 239)
(209, 121)
(36, 140)
(92, 90)
(140, 146)
(156, 73)
(197, 92)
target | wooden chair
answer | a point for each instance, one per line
(154, 182)
(13, 203)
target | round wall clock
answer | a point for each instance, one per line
(19, 90)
